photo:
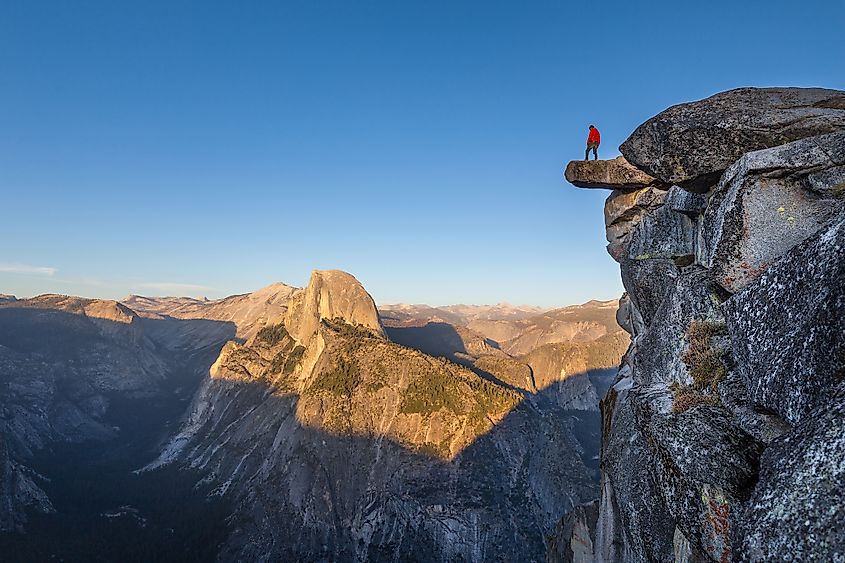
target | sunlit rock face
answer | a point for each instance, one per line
(719, 440)
(206, 322)
(331, 294)
(337, 444)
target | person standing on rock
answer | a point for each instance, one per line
(593, 142)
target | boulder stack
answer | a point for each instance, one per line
(692, 144)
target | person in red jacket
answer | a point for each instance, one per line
(593, 142)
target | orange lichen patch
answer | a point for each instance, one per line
(717, 513)
(754, 272)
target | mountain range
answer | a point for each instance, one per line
(297, 424)
(307, 424)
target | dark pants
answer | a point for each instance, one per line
(595, 148)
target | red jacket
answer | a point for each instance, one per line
(594, 136)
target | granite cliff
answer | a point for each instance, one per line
(62, 359)
(723, 431)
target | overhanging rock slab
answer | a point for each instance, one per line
(616, 174)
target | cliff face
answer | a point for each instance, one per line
(568, 355)
(722, 435)
(61, 361)
(208, 322)
(88, 377)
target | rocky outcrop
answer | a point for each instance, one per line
(796, 508)
(247, 313)
(625, 315)
(719, 437)
(331, 294)
(652, 278)
(690, 204)
(614, 174)
(663, 234)
(573, 539)
(792, 359)
(691, 144)
(623, 211)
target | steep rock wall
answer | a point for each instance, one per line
(722, 436)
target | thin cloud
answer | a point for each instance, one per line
(27, 269)
(173, 288)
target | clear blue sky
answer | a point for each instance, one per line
(215, 147)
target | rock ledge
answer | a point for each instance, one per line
(616, 174)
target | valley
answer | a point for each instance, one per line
(295, 424)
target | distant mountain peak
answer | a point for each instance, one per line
(462, 313)
(331, 294)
